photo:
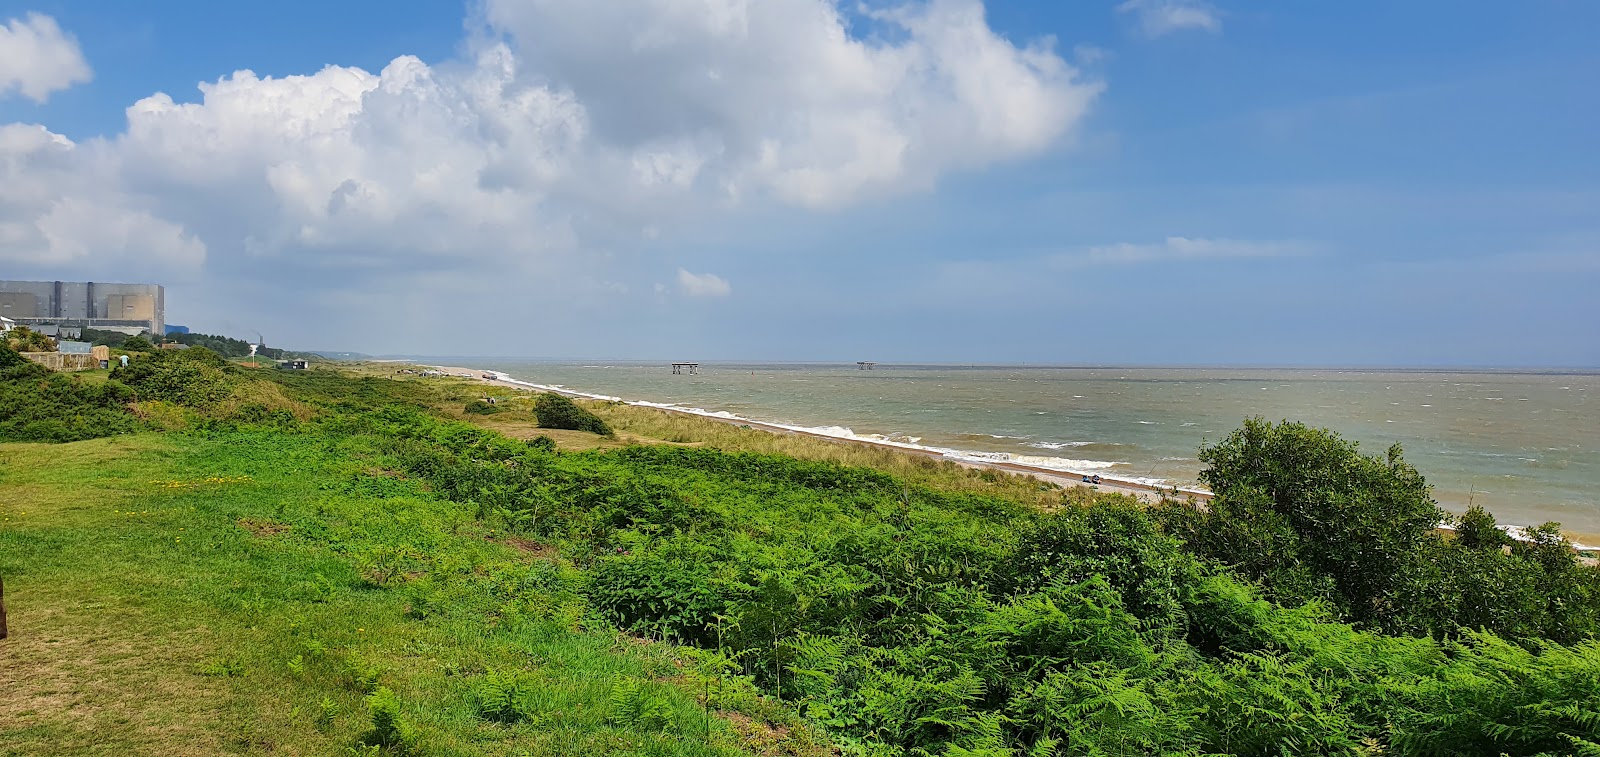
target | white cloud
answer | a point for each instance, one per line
(746, 98)
(989, 280)
(568, 137)
(1183, 248)
(1161, 17)
(703, 284)
(37, 58)
(59, 206)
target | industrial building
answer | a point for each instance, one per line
(129, 308)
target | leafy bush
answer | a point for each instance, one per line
(24, 339)
(37, 405)
(919, 622)
(478, 407)
(1301, 510)
(556, 411)
(10, 359)
(195, 377)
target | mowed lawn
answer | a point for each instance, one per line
(245, 592)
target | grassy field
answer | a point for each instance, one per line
(354, 562)
(246, 592)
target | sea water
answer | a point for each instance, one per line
(1524, 445)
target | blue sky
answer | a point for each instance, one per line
(1146, 182)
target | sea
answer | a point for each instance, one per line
(1526, 446)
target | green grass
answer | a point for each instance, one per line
(244, 592)
(333, 563)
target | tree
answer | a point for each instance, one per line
(24, 339)
(1304, 512)
(137, 344)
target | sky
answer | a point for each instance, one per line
(1071, 182)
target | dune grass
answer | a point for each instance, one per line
(920, 469)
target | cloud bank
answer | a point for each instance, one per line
(37, 58)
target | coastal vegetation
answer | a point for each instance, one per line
(331, 561)
(556, 411)
(24, 339)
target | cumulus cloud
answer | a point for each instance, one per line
(60, 206)
(37, 58)
(564, 135)
(703, 284)
(1161, 17)
(742, 98)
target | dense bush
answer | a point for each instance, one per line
(918, 622)
(37, 405)
(10, 359)
(556, 411)
(24, 339)
(194, 377)
(137, 343)
(1303, 512)
(479, 407)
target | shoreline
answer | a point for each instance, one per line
(1142, 491)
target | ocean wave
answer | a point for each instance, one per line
(1056, 445)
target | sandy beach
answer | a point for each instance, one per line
(1141, 491)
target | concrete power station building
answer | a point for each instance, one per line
(129, 308)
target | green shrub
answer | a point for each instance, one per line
(911, 621)
(37, 405)
(479, 407)
(556, 411)
(24, 339)
(195, 377)
(1303, 511)
(542, 443)
(10, 359)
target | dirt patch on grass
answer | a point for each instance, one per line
(263, 527)
(541, 551)
(764, 738)
(90, 681)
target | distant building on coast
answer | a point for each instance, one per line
(128, 308)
